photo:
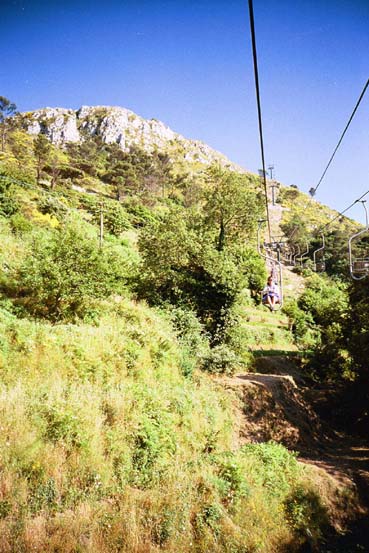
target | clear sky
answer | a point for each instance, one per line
(189, 64)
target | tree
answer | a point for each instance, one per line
(56, 161)
(181, 265)
(21, 146)
(232, 208)
(8, 202)
(89, 156)
(42, 149)
(357, 330)
(7, 110)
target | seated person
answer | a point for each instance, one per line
(271, 294)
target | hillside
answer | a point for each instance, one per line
(149, 402)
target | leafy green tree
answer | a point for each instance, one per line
(182, 265)
(297, 230)
(232, 208)
(57, 161)
(66, 273)
(326, 300)
(90, 156)
(7, 110)
(318, 319)
(21, 146)
(137, 172)
(115, 217)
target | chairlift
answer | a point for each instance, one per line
(359, 266)
(275, 266)
(291, 254)
(296, 254)
(286, 255)
(319, 263)
(277, 246)
(304, 255)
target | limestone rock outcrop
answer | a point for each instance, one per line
(121, 126)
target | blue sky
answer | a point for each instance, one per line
(189, 64)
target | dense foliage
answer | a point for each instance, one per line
(67, 273)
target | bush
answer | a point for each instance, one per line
(191, 333)
(182, 266)
(19, 224)
(8, 204)
(221, 359)
(52, 206)
(301, 324)
(275, 467)
(305, 513)
(66, 272)
(115, 217)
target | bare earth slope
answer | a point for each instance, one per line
(275, 406)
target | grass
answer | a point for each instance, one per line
(106, 446)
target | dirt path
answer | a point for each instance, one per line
(275, 406)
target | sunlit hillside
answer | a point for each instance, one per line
(130, 326)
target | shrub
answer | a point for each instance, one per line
(194, 341)
(301, 324)
(8, 203)
(19, 224)
(52, 206)
(305, 513)
(182, 266)
(115, 217)
(275, 467)
(66, 273)
(221, 359)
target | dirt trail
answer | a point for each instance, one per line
(275, 405)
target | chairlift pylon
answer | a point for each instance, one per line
(359, 267)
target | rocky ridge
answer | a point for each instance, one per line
(121, 126)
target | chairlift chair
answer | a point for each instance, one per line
(319, 263)
(359, 266)
(275, 267)
(291, 254)
(296, 254)
(304, 255)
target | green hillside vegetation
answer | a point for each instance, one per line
(117, 434)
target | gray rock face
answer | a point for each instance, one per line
(59, 124)
(121, 126)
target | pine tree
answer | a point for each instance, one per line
(7, 110)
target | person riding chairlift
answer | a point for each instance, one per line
(271, 294)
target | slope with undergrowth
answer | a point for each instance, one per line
(115, 434)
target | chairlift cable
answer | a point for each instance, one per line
(257, 89)
(341, 213)
(342, 135)
(334, 153)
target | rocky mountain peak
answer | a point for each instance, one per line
(121, 126)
